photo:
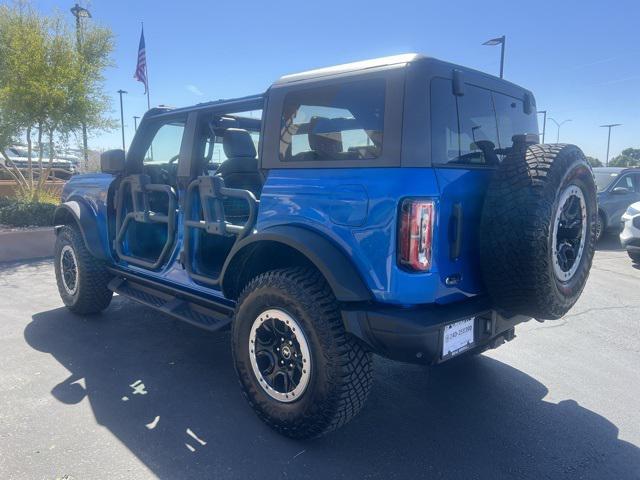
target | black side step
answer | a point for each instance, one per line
(211, 316)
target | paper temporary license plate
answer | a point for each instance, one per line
(457, 337)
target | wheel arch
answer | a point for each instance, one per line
(285, 246)
(78, 213)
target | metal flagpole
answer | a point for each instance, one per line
(146, 68)
(146, 74)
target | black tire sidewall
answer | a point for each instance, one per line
(516, 233)
(66, 237)
(318, 390)
(578, 174)
(92, 294)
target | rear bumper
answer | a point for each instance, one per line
(415, 334)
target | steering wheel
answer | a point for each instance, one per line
(173, 159)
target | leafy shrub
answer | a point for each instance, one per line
(24, 214)
(47, 194)
(5, 201)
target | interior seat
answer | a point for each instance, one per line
(325, 139)
(240, 170)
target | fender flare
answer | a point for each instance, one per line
(86, 222)
(341, 275)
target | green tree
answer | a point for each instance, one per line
(48, 87)
(629, 157)
(594, 162)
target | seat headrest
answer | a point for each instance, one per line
(237, 143)
(322, 139)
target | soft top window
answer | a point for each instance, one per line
(335, 122)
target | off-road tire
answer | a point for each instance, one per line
(516, 234)
(341, 374)
(92, 294)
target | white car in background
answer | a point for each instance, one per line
(630, 236)
(19, 157)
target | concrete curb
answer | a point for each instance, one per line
(28, 244)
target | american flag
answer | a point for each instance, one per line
(141, 68)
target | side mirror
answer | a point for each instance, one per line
(620, 191)
(112, 161)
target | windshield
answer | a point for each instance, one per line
(604, 179)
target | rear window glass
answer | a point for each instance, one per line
(476, 128)
(336, 122)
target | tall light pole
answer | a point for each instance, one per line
(498, 41)
(544, 123)
(80, 12)
(609, 126)
(135, 123)
(120, 92)
(559, 125)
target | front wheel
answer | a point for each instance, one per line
(82, 279)
(298, 368)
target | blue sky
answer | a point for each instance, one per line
(580, 58)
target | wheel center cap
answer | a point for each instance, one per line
(286, 352)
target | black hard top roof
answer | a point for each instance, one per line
(397, 61)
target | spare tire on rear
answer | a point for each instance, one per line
(538, 230)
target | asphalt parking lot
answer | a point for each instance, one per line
(133, 394)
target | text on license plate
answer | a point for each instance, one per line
(457, 337)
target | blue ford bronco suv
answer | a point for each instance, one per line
(401, 206)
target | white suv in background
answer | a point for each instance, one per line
(630, 236)
(19, 157)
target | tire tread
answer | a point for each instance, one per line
(350, 374)
(93, 294)
(516, 225)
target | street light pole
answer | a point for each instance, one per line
(80, 12)
(135, 122)
(609, 126)
(120, 92)
(499, 41)
(559, 125)
(544, 123)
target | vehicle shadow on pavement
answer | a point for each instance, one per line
(168, 392)
(610, 242)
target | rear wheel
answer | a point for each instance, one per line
(298, 368)
(82, 279)
(538, 230)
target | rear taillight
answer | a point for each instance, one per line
(415, 239)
